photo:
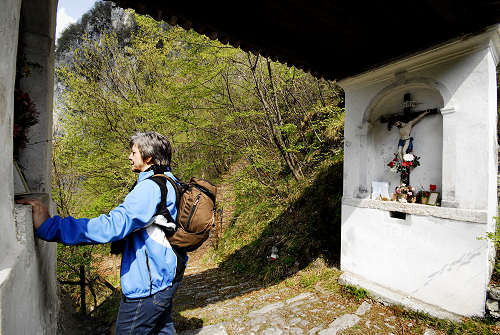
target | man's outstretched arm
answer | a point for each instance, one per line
(134, 213)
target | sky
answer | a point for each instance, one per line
(70, 11)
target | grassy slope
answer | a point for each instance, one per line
(304, 224)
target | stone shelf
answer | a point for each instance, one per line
(458, 214)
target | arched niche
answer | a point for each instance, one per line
(37, 42)
(427, 134)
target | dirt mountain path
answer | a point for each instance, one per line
(211, 302)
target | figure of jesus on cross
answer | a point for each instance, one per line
(405, 122)
(405, 144)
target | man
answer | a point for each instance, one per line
(151, 270)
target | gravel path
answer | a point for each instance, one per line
(211, 302)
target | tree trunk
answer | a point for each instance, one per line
(274, 121)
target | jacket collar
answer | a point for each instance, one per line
(144, 175)
(148, 173)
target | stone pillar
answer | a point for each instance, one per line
(356, 180)
(363, 190)
(449, 157)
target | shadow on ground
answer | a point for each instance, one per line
(309, 228)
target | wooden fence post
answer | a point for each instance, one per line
(83, 306)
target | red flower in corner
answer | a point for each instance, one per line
(391, 164)
(432, 187)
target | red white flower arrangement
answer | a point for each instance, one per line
(410, 161)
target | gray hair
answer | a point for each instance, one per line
(154, 145)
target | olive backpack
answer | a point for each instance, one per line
(195, 203)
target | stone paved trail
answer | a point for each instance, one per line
(211, 302)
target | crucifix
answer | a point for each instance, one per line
(405, 121)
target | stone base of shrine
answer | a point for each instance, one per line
(388, 296)
(426, 259)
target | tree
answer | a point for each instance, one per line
(216, 104)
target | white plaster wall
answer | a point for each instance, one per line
(9, 22)
(474, 140)
(28, 284)
(355, 183)
(28, 299)
(437, 261)
(492, 158)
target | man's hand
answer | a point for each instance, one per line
(40, 211)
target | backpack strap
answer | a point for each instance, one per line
(162, 209)
(176, 188)
(206, 191)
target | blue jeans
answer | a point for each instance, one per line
(149, 315)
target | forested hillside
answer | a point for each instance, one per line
(269, 135)
(219, 106)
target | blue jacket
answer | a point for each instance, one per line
(148, 261)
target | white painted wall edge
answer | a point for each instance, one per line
(458, 214)
(391, 297)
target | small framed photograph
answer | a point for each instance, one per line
(433, 198)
